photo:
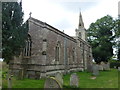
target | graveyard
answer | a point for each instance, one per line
(105, 79)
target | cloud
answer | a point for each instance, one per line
(64, 14)
(105, 7)
(119, 8)
(77, 6)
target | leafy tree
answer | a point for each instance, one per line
(117, 37)
(101, 38)
(13, 30)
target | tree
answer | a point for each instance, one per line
(117, 37)
(14, 31)
(101, 38)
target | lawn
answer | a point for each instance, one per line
(106, 79)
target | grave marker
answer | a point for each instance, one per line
(118, 68)
(51, 82)
(74, 80)
(95, 70)
(89, 68)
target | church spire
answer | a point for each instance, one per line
(81, 24)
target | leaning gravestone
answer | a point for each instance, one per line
(74, 80)
(51, 82)
(59, 77)
(95, 69)
(118, 68)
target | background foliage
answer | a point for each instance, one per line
(102, 38)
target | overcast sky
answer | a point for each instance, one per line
(64, 14)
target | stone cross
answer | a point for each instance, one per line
(74, 80)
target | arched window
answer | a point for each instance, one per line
(27, 49)
(57, 51)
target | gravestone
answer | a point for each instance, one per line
(59, 77)
(118, 68)
(100, 67)
(115, 67)
(106, 66)
(89, 68)
(95, 69)
(51, 82)
(74, 80)
(102, 64)
(20, 74)
(10, 81)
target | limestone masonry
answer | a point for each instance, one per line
(49, 51)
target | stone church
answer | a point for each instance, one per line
(49, 50)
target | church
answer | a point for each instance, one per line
(49, 50)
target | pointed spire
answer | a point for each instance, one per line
(81, 24)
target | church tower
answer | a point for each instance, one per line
(81, 31)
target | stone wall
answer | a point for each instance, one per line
(73, 53)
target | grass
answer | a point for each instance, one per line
(106, 79)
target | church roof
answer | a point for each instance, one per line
(45, 25)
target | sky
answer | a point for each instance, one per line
(64, 14)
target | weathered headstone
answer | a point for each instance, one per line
(51, 82)
(118, 68)
(100, 67)
(20, 74)
(89, 68)
(74, 80)
(59, 77)
(95, 69)
(106, 66)
(10, 81)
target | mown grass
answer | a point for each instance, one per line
(106, 79)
